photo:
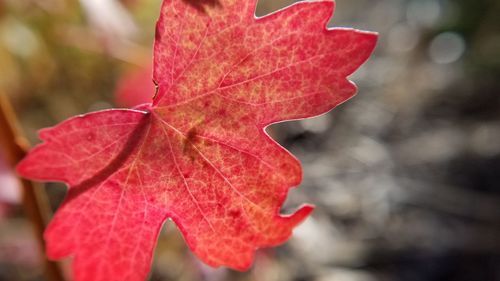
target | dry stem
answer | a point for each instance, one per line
(35, 203)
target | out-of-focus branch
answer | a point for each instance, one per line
(35, 203)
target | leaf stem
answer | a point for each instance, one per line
(35, 203)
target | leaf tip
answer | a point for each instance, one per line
(301, 214)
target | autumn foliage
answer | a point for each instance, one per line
(198, 153)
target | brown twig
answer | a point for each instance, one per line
(35, 203)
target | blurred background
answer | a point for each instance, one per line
(405, 176)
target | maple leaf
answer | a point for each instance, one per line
(198, 154)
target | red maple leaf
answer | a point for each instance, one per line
(199, 153)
